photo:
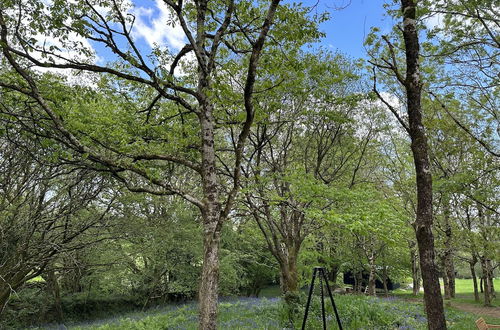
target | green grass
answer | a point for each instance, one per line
(464, 294)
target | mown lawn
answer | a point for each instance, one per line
(356, 312)
(465, 292)
(464, 295)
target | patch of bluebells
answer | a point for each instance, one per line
(356, 312)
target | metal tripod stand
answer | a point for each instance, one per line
(322, 276)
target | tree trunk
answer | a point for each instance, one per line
(416, 284)
(450, 274)
(370, 289)
(9, 284)
(289, 275)
(211, 215)
(333, 274)
(449, 267)
(487, 287)
(491, 278)
(5, 292)
(359, 281)
(446, 283)
(208, 295)
(481, 281)
(384, 280)
(472, 264)
(415, 271)
(53, 286)
(424, 217)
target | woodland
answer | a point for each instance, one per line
(231, 164)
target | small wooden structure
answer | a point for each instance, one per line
(482, 325)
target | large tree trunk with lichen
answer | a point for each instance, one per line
(212, 221)
(289, 276)
(419, 146)
(209, 287)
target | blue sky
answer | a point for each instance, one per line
(350, 24)
(350, 21)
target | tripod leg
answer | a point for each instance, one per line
(333, 302)
(322, 299)
(309, 300)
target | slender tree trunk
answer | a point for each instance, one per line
(424, 217)
(333, 274)
(491, 278)
(384, 280)
(415, 271)
(481, 281)
(370, 289)
(449, 267)
(487, 287)
(53, 286)
(472, 265)
(446, 283)
(359, 281)
(450, 274)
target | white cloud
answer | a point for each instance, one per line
(76, 49)
(162, 30)
(434, 21)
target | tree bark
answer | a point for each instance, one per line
(5, 292)
(446, 283)
(415, 269)
(370, 289)
(449, 267)
(486, 280)
(358, 282)
(450, 274)
(419, 146)
(208, 295)
(53, 286)
(289, 275)
(212, 223)
(384, 280)
(333, 274)
(472, 265)
(9, 284)
(491, 278)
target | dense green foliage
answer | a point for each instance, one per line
(236, 163)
